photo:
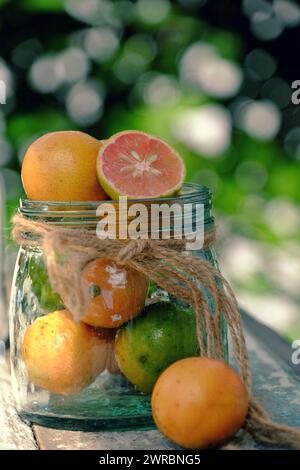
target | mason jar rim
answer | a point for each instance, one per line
(184, 212)
(190, 193)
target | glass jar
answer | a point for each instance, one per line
(67, 374)
(3, 298)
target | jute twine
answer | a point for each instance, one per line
(68, 250)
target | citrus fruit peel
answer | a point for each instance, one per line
(147, 345)
(199, 402)
(61, 166)
(63, 356)
(114, 293)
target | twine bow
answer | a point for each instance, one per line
(194, 280)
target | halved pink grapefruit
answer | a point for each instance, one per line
(139, 166)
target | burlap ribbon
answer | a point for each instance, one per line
(192, 279)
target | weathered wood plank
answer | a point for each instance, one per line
(274, 385)
(14, 433)
(54, 439)
(271, 341)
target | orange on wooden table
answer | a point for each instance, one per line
(115, 293)
(199, 402)
(63, 356)
(61, 166)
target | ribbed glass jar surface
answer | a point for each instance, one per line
(84, 376)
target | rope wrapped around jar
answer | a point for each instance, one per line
(67, 252)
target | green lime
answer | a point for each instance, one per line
(47, 298)
(147, 345)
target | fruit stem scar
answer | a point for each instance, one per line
(94, 290)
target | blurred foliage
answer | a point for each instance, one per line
(130, 59)
(45, 5)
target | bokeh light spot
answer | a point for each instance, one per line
(44, 75)
(202, 66)
(250, 7)
(220, 78)
(25, 53)
(287, 12)
(73, 65)
(207, 130)
(266, 26)
(101, 44)
(260, 119)
(128, 67)
(260, 65)
(208, 178)
(7, 78)
(142, 45)
(154, 11)
(292, 142)
(161, 90)
(125, 10)
(95, 12)
(282, 216)
(277, 90)
(251, 175)
(84, 103)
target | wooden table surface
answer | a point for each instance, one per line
(276, 385)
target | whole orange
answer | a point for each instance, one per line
(61, 166)
(115, 293)
(64, 357)
(199, 402)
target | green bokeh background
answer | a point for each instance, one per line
(255, 180)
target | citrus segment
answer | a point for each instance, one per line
(137, 165)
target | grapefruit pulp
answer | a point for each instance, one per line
(139, 166)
